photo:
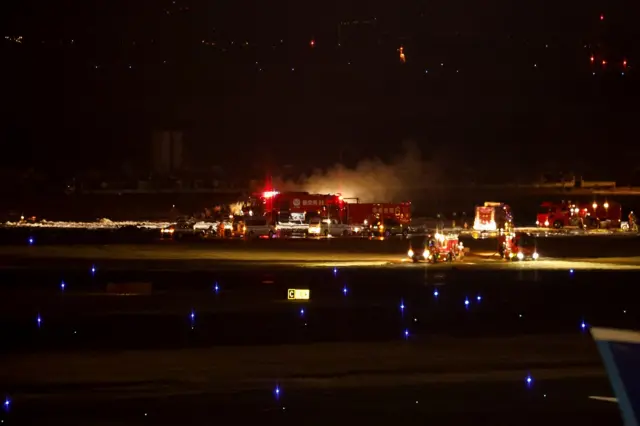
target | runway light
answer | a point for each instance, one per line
(406, 333)
(31, 241)
(93, 269)
(193, 315)
(7, 403)
(62, 286)
(466, 302)
(571, 271)
(402, 305)
(302, 312)
(216, 288)
(335, 271)
(276, 392)
(479, 298)
(583, 325)
(435, 293)
(39, 320)
(345, 290)
(529, 380)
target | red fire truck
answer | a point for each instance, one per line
(288, 204)
(607, 214)
(492, 216)
(380, 219)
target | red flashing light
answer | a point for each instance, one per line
(312, 43)
(604, 62)
(592, 58)
(624, 63)
(602, 17)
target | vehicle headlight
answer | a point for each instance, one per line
(356, 230)
(410, 253)
(546, 223)
(535, 255)
(537, 223)
(520, 255)
(381, 227)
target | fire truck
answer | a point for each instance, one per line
(517, 245)
(593, 215)
(302, 205)
(380, 219)
(492, 216)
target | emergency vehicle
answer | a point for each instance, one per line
(517, 246)
(436, 248)
(278, 205)
(380, 219)
(607, 214)
(559, 215)
(492, 216)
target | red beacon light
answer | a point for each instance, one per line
(624, 63)
(602, 17)
(312, 43)
(592, 58)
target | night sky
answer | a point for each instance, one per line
(499, 89)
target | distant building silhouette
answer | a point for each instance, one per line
(166, 152)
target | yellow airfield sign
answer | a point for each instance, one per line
(298, 294)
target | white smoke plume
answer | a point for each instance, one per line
(372, 180)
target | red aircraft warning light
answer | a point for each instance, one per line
(604, 62)
(624, 63)
(602, 17)
(592, 58)
(312, 43)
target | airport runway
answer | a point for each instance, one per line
(380, 338)
(308, 254)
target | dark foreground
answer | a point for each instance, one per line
(415, 345)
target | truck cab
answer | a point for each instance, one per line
(554, 216)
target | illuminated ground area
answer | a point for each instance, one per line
(303, 257)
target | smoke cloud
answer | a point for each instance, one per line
(372, 180)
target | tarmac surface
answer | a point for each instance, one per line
(595, 252)
(169, 332)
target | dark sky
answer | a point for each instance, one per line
(516, 92)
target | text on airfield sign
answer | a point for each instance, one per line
(298, 294)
